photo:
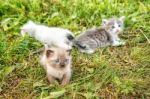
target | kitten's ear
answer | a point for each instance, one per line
(104, 21)
(122, 18)
(69, 51)
(49, 52)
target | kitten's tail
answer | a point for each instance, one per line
(79, 45)
(29, 27)
(70, 37)
(70, 40)
(76, 43)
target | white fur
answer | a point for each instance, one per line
(47, 35)
(118, 43)
(115, 37)
(114, 32)
(58, 73)
(89, 51)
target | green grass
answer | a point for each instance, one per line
(110, 73)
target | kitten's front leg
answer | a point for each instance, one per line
(89, 51)
(50, 78)
(122, 42)
(118, 43)
(115, 43)
(66, 79)
(117, 38)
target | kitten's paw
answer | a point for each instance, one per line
(64, 83)
(90, 51)
(122, 42)
(118, 43)
(87, 51)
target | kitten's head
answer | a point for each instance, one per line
(58, 58)
(114, 25)
(28, 27)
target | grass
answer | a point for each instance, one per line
(110, 73)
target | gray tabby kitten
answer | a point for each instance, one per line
(103, 36)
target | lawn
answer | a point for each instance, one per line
(110, 73)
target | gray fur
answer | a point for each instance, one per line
(103, 36)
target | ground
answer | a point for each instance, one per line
(113, 72)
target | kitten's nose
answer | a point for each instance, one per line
(117, 30)
(62, 65)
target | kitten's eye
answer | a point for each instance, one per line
(113, 27)
(57, 61)
(66, 60)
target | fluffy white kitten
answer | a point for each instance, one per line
(51, 36)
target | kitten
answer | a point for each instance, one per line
(103, 36)
(49, 35)
(57, 63)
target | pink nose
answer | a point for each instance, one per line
(117, 30)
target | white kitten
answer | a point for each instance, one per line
(52, 36)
